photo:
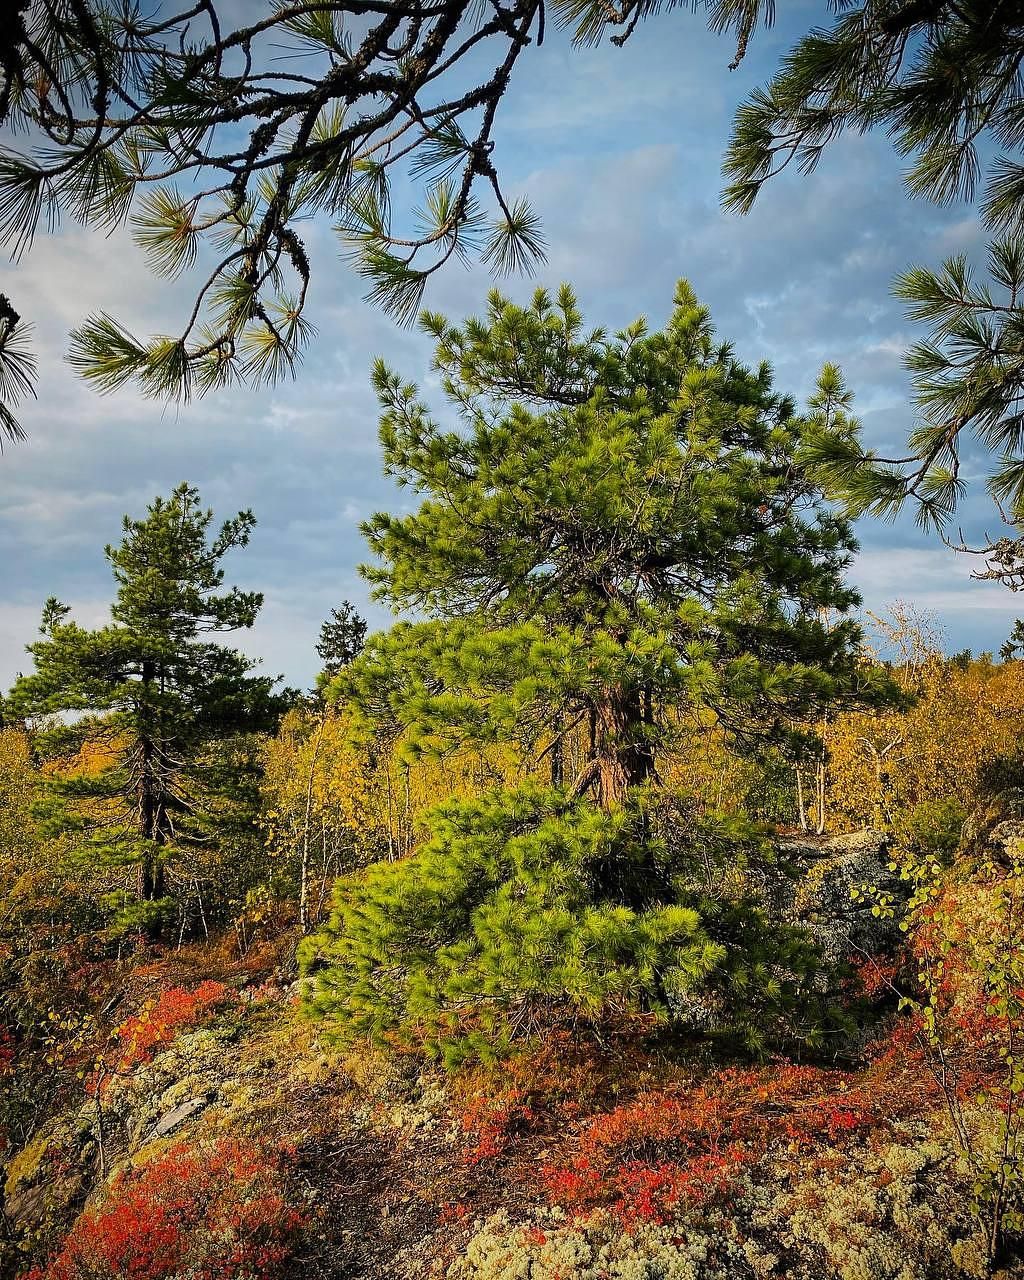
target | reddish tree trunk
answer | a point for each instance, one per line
(621, 750)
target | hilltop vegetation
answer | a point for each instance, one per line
(629, 910)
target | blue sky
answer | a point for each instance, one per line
(619, 151)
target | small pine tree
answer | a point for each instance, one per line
(342, 638)
(164, 708)
(620, 537)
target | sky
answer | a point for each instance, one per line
(619, 151)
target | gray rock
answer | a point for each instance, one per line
(176, 1116)
(824, 898)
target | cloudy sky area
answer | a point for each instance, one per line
(619, 151)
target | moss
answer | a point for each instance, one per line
(25, 1166)
(899, 1210)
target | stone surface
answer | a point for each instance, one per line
(821, 898)
(176, 1116)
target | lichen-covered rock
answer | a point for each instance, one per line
(597, 1248)
(46, 1179)
(177, 1116)
(999, 818)
(826, 898)
(197, 1065)
(894, 1211)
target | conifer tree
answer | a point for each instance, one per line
(342, 638)
(218, 129)
(1013, 645)
(618, 539)
(158, 696)
(942, 79)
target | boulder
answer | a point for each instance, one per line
(827, 897)
(176, 1116)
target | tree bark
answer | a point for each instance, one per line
(557, 752)
(152, 808)
(622, 751)
(304, 863)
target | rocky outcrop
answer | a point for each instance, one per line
(827, 897)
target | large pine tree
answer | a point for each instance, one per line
(618, 537)
(159, 698)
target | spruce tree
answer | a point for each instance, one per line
(618, 538)
(159, 698)
(342, 638)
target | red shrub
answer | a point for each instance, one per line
(491, 1121)
(638, 1191)
(157, 1025)
(874, 975)
(212, 1214)
(661, 1151)
(7, 1052)
(454, 1211)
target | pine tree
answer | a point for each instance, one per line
(342, 638)
(941, 77)
(619, 540)
(162, 704)
(1013, 645)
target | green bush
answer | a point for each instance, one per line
(527, 909)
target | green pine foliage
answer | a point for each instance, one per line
(943, 81)
(168, 714)
(526, 909)
(342, 637)
(618, 539)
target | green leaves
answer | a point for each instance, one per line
(106, 353)
(502, 910)
(944, 84)
(26, 195)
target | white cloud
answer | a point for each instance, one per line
(619, 150)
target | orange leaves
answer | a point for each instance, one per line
(884, 764)
(491, 1121)
(213, 1214)
(651, 1156)
(157, 1025)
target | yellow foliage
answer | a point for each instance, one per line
(17, 788)
(332, 803)
(883, 765)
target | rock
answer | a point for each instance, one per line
(176, 1116)
(822, 899)
(1005, 841)
(45, 1180)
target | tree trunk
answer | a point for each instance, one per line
(557, 752)
(820, 782)
(153, 813)
(622, 752)
(151, 872)
(304, 862)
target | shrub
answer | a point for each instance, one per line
(526, 911)
(137, 1039)
(210, 1214)
(897, 1210)
(500, 925)
(649, 1158)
